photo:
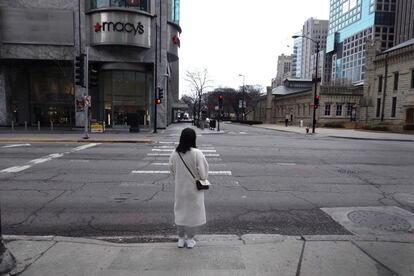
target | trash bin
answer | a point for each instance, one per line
(212, 124)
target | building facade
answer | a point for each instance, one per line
(297, 56)
(404, 21)
(284, 69)
(351, 24)
(388, 101)
(317, 30)
(132, 45)
(338, 106)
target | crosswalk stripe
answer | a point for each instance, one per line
(167, 172)
(171, 150)
(16, 145)
(168, 154)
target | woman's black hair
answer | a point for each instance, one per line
(187, 140)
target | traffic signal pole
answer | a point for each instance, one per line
(86, 106)
(316, 88)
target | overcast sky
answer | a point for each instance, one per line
(232, 37)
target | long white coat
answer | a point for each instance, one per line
(189, 209)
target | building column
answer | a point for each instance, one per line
(4, 115)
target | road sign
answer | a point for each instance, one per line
(88, 101)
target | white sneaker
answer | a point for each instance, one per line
(180, 243)
(190, 243)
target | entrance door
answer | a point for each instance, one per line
(125, 98)
(410, 116)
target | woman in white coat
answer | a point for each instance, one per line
(189, 209)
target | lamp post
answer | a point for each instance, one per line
(243, 97)
(315, 80)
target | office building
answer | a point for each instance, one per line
(404, 21)
(297, 56)
(351, 24)
(316, 30)
(131, 44)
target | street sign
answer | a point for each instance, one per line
(79, 103)
(88, 101)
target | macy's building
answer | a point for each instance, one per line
(132, 44)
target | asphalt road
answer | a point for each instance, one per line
(264, 182)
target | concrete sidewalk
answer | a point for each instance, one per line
(343, 133)
(213, 255)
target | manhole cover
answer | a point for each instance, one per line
(379, 221)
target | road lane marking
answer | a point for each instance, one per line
(160, 164)
(168, 154)
(15, 169)
(286, 164)
(16, 145)
(219, 172)
(167, 172)
(85, 147)
(171, 150)
(44, 159)
(151, 172)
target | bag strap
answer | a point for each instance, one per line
(186, 166)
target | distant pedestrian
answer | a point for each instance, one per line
(189, 209)
(286, 120)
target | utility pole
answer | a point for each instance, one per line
(155, 74)
(316, 88)
(86, 105)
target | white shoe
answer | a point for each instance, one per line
(180, 243)
(190, 243)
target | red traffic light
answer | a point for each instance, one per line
(157, 101)
(221, 98)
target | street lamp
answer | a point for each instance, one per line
(315, 80)
(243, 100)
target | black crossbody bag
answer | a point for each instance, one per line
(200, 184)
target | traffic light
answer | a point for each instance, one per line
(93, 77)
(220, 101)
(316, 101)
(160, 93)
(157, 101)
(80, 70)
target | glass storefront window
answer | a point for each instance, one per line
(142, 5)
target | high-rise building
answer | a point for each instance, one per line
(284, 68)
(317, 30)
(404, 21)
(297, 56)
(351, 23)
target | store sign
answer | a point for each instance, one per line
(121, 28)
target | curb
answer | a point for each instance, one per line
(76, 141)
(371, 139)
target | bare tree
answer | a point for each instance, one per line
(199, 83)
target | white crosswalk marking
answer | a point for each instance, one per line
(167, 172)
(16, 145)
(44, 159)
(164, 149)
(171, 150)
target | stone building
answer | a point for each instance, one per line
(388, 101)
(133, 46)
(338, 105)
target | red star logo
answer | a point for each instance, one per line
(98, 27)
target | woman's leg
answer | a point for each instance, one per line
(181, 231)
(191, 231)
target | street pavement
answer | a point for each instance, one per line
(378, 240)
